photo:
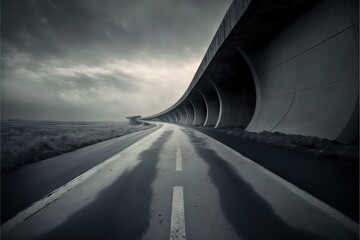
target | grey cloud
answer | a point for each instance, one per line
(43, 28)
(41, 36)
(118, 81)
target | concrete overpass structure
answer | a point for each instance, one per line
(275, 65)
(134, 119)
(278, 65)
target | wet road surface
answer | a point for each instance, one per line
(22, 187)
(329, 179)
(177, 183)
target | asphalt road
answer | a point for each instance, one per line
(22, 187)
(177, 183)
(329, 179)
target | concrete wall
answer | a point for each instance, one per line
(286, 66)
(309, 75)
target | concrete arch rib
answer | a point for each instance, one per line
(170, 117)
(220, 103)
(183, 115)
(167, 119)
(235, 87)
(189, 111)
(212, 104)
(192, 104)
(174, 117)
(177, 114)
(178, 111)
(199, 107)
(255, 78)
(186, 115)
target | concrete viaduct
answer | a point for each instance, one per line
(279, 65)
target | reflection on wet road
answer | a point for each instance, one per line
(177, 183)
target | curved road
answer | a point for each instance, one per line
(177, 183)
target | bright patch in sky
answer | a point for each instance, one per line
(101, 60)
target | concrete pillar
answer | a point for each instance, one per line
(236, 93)
(183, 115)
(168, 118)
(171, 117)
(186, 114)
(174, 117)
(189, 111)
(177, 114)
(212, 105)
(199, 106)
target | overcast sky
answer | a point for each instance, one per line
(101, 59)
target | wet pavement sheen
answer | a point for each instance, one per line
(225, 196)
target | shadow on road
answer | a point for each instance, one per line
(121, 211)
(249, 214)
(330, 180)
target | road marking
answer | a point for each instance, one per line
(53, 196)
(177, 227)
(178, 158)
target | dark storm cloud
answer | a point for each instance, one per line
(44, 28)
(120, 53)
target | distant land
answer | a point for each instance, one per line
(27, 141)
